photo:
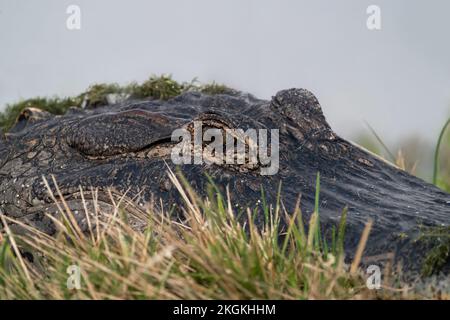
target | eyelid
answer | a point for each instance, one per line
(210, 117)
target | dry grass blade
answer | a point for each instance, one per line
(361, 246)
(15, 247)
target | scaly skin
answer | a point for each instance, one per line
(126, 147)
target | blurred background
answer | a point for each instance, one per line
(396, 79)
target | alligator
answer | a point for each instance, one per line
(127, 147)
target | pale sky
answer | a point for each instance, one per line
(397, 78)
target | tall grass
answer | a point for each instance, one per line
(440, 178)
(127, 252)
(210, 255)
(437, 180)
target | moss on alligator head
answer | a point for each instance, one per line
(97, 94)
(160, 87)
(438, 238)
(216, 88)
(53, 105)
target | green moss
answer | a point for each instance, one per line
(438, 256)
(96, 94)
(158, 87)
(53, 105)
(215, 88)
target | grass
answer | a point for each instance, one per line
(440, 166)
(157, 87)
(131, 253)
(441, 181)
(53, 105)
(439, 239)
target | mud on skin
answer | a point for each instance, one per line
(126, 147)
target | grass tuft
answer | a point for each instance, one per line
(216, 88)
(53, 105)
(439, 239)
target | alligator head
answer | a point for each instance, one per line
(127, 147)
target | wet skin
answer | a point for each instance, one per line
(126, 147)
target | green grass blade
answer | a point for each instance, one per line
(380, 141)
(436, 152)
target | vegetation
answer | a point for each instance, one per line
(53, 105)
(442, 180)
(130, 253)
(439, 239)
(216, 88)
(439, 166)
(158, 87)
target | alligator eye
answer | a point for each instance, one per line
(120, 133)
(213, 139)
